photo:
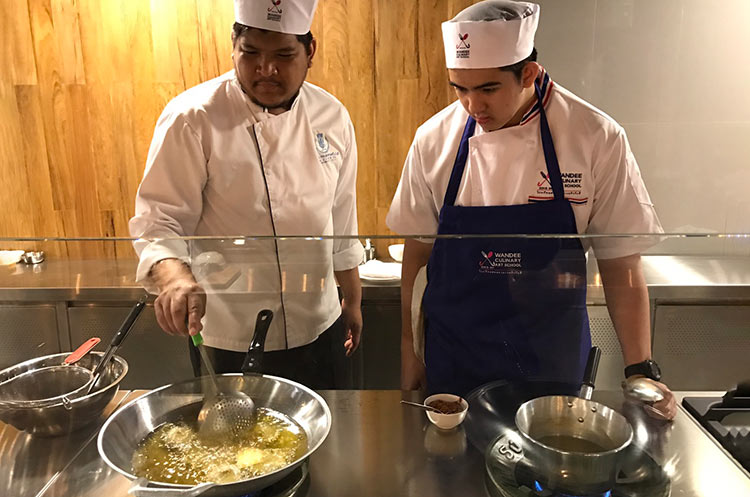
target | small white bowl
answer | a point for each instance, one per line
(446, 421)
(396, 251)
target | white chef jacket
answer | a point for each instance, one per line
(601, 178)
(220, 165)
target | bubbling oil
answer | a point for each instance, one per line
(174, 453)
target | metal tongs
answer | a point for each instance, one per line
(125, 328)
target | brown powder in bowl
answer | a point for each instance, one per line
(447, 407)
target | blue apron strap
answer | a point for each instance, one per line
(460, 163)
(550, 157)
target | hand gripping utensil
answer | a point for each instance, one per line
(642, 389)
(232, 413)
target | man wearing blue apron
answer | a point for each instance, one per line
(517, 154)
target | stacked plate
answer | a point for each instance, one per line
(375, 271)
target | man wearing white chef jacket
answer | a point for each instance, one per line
(517, 153)
(256, 152)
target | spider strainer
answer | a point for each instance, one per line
(232, 413)
(222, 414)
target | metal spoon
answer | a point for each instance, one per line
(422, 406)
(642, 389)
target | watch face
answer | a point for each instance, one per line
(654, 371)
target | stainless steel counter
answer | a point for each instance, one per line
(30, 465)
(667, 277)
(376, 448)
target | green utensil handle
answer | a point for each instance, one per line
(197, 339)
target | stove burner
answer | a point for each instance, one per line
(727, 419)
(640, 475)
(542, 492)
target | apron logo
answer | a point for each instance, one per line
(323, 147)
(274, 13)
(500, 262)
(572, 184)
(545, 179)
(462, 49)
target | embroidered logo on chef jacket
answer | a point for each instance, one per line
(321, 143)
(325, 152)
(274, 12)
(462, 49)
(500, 262)
(572, 183)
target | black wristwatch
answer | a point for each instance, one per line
(647, 368)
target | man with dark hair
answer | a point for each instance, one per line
(256, 152)
(517, 154)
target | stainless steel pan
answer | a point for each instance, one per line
(120, 435)
(566, 443)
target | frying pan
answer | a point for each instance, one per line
(123, 431)
(573, 444)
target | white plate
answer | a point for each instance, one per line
(10, 256)
(380, 271)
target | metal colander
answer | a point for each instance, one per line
(60, 418)
(36, 384)
(48, 385)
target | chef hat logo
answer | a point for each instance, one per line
(462, 41)
(276, 9)
(502, 34)
(282, 16)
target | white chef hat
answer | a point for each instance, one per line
(284, 16)
(492, 33)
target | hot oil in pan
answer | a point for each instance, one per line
(570, 444)
(174, 453)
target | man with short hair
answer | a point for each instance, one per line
(256, 152)
(517, 154)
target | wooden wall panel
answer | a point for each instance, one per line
(82, 83)
(17, 43)
(67, 32)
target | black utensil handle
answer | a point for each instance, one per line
(127, 325)
(262, 323)
(125, 328)
(592, 366)
(254, 358)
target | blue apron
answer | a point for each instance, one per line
(505, 308)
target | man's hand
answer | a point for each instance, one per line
(413, 376)
(666, 408)
(351, 313)
(352, 318)
(181, 302)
